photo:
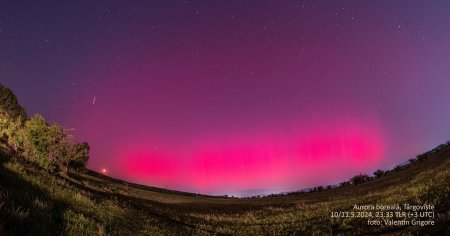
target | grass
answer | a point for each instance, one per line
(34, 202)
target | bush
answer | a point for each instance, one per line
(10, 104)
(378, 173)
(397, 168)
(79, 155)
(359, 179)
(9, 127)
(421, 157)
(50, 147)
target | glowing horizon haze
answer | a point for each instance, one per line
(235, 97)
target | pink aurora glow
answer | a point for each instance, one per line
(225, 98)
(317, 156)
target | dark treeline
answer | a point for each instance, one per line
(362, 178)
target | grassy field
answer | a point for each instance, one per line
(34, 202)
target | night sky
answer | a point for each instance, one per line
(235, 97)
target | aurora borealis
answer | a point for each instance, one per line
(231, 97)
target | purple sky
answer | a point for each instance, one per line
(235, 96)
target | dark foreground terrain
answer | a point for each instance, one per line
(35, 202)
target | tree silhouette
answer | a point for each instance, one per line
(378, 173)
(359, 179)
(10, 104)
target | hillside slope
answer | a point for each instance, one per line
(36, 202)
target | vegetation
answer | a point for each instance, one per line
(10, 104)
(47, 145)
(45, 190)
(41, 203)
(378, 173)
(359, 179)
